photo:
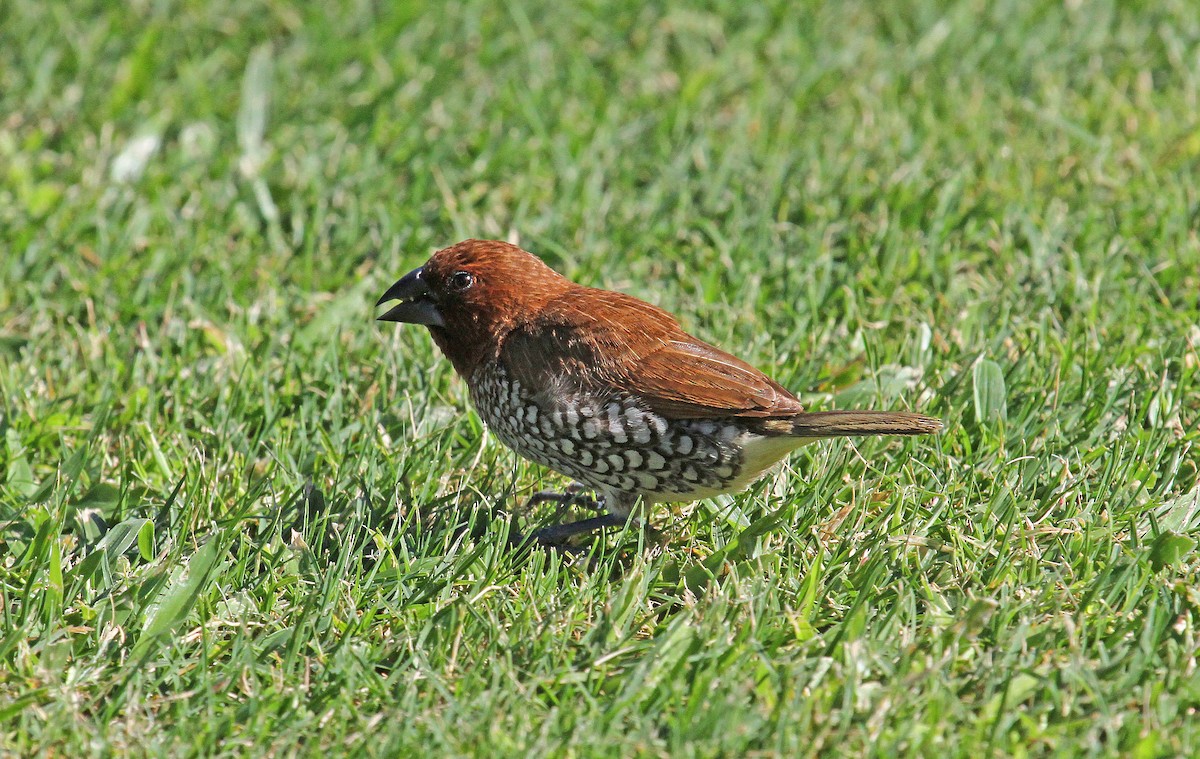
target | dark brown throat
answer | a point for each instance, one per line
(466, 355)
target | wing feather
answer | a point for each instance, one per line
(597, 341)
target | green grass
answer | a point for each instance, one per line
(239, 517)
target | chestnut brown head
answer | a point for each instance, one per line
(471, 295)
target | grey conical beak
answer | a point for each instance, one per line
(417, 304)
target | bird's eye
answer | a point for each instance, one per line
(461, 280)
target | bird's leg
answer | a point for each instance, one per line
(573, 495)
(555, 534)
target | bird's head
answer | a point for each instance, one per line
(471, 295)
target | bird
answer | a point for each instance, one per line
(607, 389)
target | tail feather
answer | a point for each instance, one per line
(842, 423)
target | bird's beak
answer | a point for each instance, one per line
(417, 304)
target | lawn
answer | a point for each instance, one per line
(240, 517)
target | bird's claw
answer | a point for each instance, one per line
(555, 535)
(573, 495)
(517, 539)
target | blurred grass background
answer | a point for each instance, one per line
(240, 517)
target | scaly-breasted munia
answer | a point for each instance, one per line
(606, 388)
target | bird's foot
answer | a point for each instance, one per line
(521, 540)
(555, 535)
(573, 495)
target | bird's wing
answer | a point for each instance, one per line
(691, 379)
(599, 341)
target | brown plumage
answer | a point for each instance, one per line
(606, 388)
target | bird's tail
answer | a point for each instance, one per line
(842, 423)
